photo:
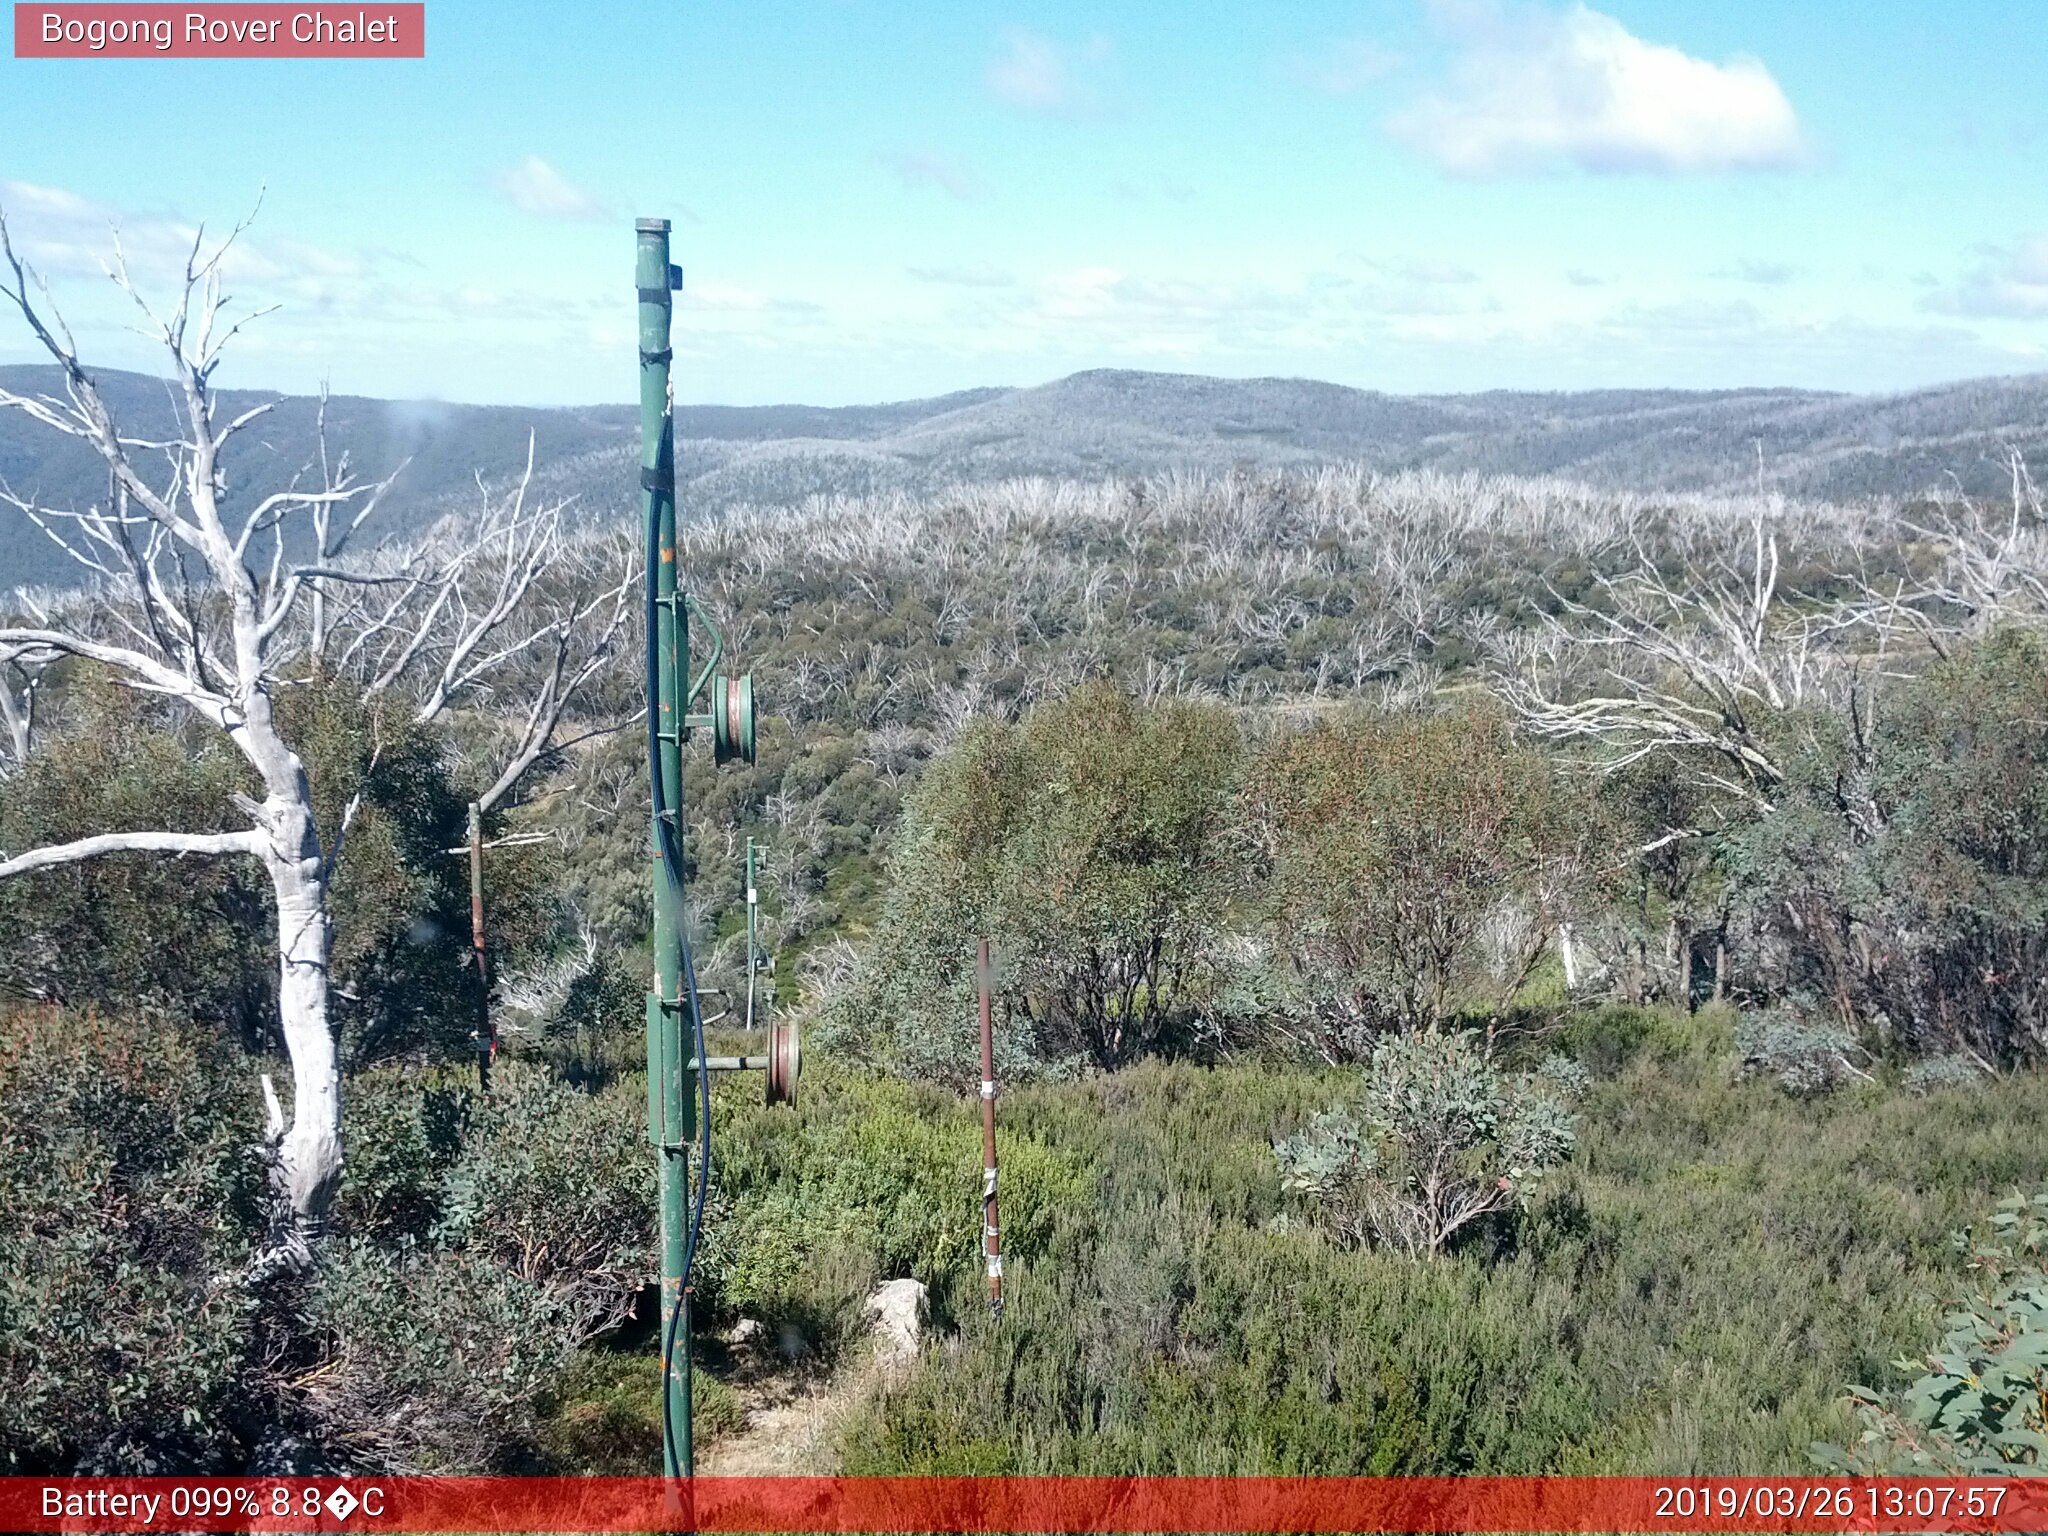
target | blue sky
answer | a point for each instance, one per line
(876, 199)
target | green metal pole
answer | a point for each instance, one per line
(671, 1082)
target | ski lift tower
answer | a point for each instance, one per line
(678, 1090)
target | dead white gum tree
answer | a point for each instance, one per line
(218, 602)
(1698, 663)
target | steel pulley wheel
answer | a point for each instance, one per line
(732, 718)
(785, 1057)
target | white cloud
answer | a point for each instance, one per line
(2009, 284)
(533, 186)
(46, 202)
(1535, 89)
(1389, 327)
(59, 232)
(1035, 74)
(1107, 311)
(1030, 73)
(1768, 274)
(921, 170)
(379, 321)
(963, 277)
(1342, 68)
(1423, 270)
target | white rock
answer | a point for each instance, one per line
(898, 1311)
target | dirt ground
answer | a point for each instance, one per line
(789, 1431)
(794, 1415)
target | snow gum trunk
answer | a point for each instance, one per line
(308, 1153)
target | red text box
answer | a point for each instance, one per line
(1695, 1506)
(105, 30)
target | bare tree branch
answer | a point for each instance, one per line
(209, 844)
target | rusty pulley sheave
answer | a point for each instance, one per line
(731, 706)
(785, 1059)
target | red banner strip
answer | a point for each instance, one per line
(369, 29)
(1078, 1504)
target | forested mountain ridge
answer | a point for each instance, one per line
(1104, 422)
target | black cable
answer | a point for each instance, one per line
(672, 867)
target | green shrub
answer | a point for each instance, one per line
(1436, 1138)
(1941, 1072)
(869, 1179)
(1903, 873)
(479, 1242)
(486, 1239)
(603, 1416)
(1416, 864)
(557, 1185)
(399, 1136)
(192, 938)
(1806, 1053)
(127, 1196)
(437, 1359)
(604, 1004)
(197, 938)
(400, 902)
(1668, 877)
(1086, 844)
(1980, 1406)
(1605, 1039)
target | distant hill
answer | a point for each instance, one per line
(1103, 422)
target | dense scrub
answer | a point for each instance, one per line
(1692, 1293)
(479, 1243)
(1155, 879)
(1904, 885)
(129, 1195)
(1088, 844)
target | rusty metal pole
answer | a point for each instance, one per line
(486, 1033)
(991, 1229)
